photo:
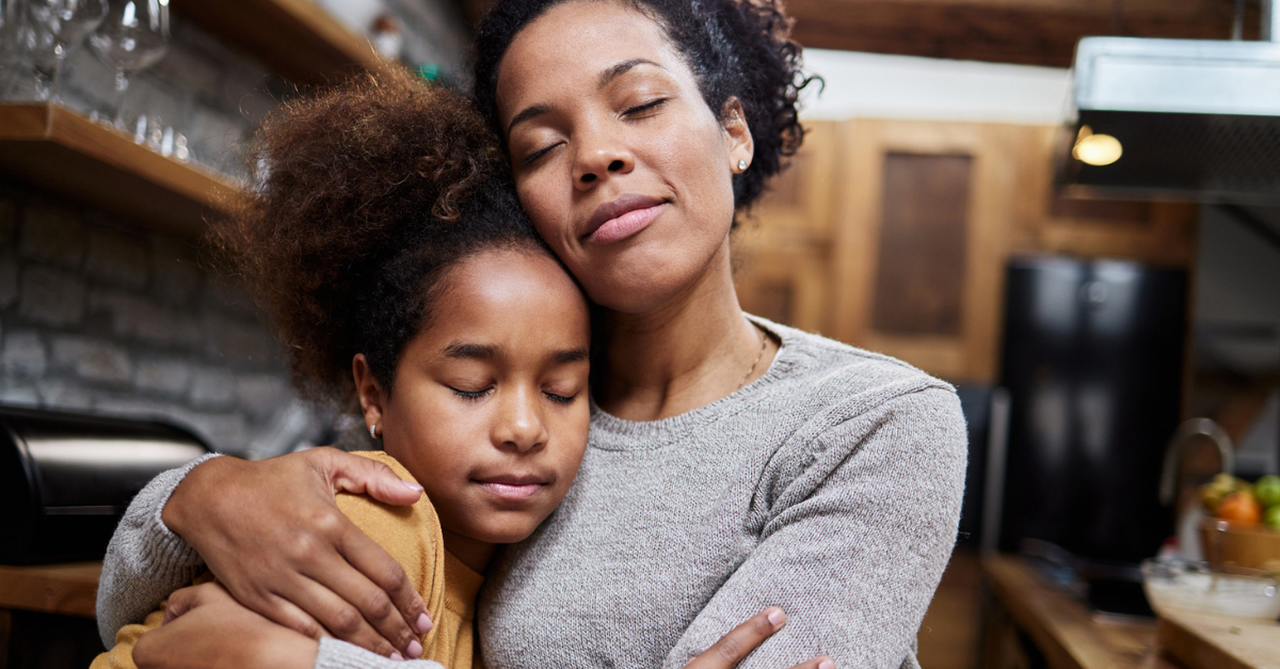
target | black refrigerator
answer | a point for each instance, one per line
(1092, 360)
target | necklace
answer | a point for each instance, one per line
(764, 343)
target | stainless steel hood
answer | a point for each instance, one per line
(1194, 119)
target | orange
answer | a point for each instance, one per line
(1240, 507)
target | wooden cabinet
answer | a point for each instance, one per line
(893, 235)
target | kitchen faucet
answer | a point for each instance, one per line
(1186, 432)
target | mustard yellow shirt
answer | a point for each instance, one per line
(412, 535)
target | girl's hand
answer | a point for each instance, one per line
(271, 532)
(205, 627)
(741, 640)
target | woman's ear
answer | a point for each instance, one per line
(737, 135)
(370, 394)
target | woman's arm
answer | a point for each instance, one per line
(271, 532)
(860, 526)
(145, 562)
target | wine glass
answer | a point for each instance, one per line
(12, 20)
(134, 36)
(61, 25)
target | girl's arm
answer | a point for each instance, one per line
(271, 532)
(856, 536)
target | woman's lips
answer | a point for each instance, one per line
(622, 218)
(512, 491)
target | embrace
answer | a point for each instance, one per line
(529, 298)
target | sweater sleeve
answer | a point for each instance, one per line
(336, 654)
(145, 561)
(858, 525)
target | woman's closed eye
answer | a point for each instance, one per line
(644, 110)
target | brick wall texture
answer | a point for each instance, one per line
(99, 316)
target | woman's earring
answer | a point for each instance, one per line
(742, 165)
(373, 430)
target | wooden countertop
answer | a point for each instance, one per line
(70, 589)
(1073, 637)
(1069, 634)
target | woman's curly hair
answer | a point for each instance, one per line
(363, 197)
(736, 48)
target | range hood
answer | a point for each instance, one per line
(1187, 119)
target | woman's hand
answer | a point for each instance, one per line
(741, 640)
(271, 532)
(205, 627)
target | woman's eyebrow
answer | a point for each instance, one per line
(528, 114)
(615, 71)
(621, 69)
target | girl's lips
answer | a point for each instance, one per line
(624, 226)
(512, 491)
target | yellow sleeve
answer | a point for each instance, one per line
(121, 655)
(412, 535)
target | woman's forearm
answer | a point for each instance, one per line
(145, 561)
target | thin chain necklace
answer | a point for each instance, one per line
(764, 343)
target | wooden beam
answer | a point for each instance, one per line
(1031, 32)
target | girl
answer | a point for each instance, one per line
(733, 462)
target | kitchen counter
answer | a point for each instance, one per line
(1071, 636)
(1065, 631)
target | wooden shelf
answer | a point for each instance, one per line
(298, 39)
(66, 153)
(69, 589)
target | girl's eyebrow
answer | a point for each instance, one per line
(570, 356)
(465, 351)
(470, 351)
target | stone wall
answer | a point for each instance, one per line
(101, 317)
(98, 314)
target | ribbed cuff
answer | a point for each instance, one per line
(336, 654)
(177, 554)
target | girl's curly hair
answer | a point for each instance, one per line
(736, 48)
(362, 197)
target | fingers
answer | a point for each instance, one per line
(355, 474)
(387, 597)
(820, 662)
(189, 598)
(740, 641)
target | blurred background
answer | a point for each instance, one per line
(1083, 236)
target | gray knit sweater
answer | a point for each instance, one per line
(831, 487)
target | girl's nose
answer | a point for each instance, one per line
(520, 425)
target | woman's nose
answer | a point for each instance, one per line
(599, 157)
(520, 425)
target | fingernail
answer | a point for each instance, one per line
(415, 649)
(397, 657)
(777, 617)
(412, 486)
(424, 623)
(826, 664)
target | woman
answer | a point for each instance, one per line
(733, 463)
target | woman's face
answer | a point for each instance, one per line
(623, 168)
(489, 409)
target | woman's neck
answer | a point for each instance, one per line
(689, 352)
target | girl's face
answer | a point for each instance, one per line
(489, 410)
(623, 168)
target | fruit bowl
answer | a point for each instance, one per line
(1222, 589)
(1252, 546)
